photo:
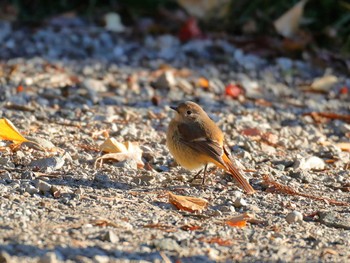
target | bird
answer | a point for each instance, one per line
(194, 140)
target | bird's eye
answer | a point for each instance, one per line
(189, 112)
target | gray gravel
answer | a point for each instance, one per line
(81, 84)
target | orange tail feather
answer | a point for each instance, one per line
(236, 174)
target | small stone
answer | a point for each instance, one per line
(5, 176)
(49, 257)
(43, 186)
(5, 257)
(94, 85)
(31, 190)
(302, 175)
(294, 217)
(101, 178)
(29, 175)
(53, 163)
(268, 149)
(46, 144)
(185, 85)
(312, 162)
(165, 81)
(240, 202)
(110, 236)
(167, 244)
(128, 164)
(334, 219)
(101, 259)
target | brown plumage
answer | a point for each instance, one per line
(195, 140)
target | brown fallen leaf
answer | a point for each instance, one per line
(239, 221)
(187, 203)
(254, 133)
(191, 227)
(320, 116)
(120, 152)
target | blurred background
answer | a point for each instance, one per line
(307, 24)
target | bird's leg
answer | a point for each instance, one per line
(195, 177)
(204, 174)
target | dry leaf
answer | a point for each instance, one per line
(121, 152)
(8, 131)
(255, 133)
(191, 227)
(344, 146)
(324, 83)
(239, 221)
(318, 116)
(287, 25)
(187, 203)
(280, 188)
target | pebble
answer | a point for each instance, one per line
(49, 257)
(50, 163)
(43, 186)
(110, 236)
(294, 217)
(240, 202)
(165, 81)
(309, 163)
(302, 175)
(32, 190)
(5, 176)
(167, 244)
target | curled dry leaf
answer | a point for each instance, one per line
(120, 152)
(187, 203)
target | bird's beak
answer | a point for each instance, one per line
(174, 108)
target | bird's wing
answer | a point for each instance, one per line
(195, 137)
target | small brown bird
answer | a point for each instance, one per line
(195, 141)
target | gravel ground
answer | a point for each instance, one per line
(68, 88)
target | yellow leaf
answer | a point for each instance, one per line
(287, 25)
(9, 132)
(111, 145)
(187, 203)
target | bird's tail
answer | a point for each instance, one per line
(236, 174)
